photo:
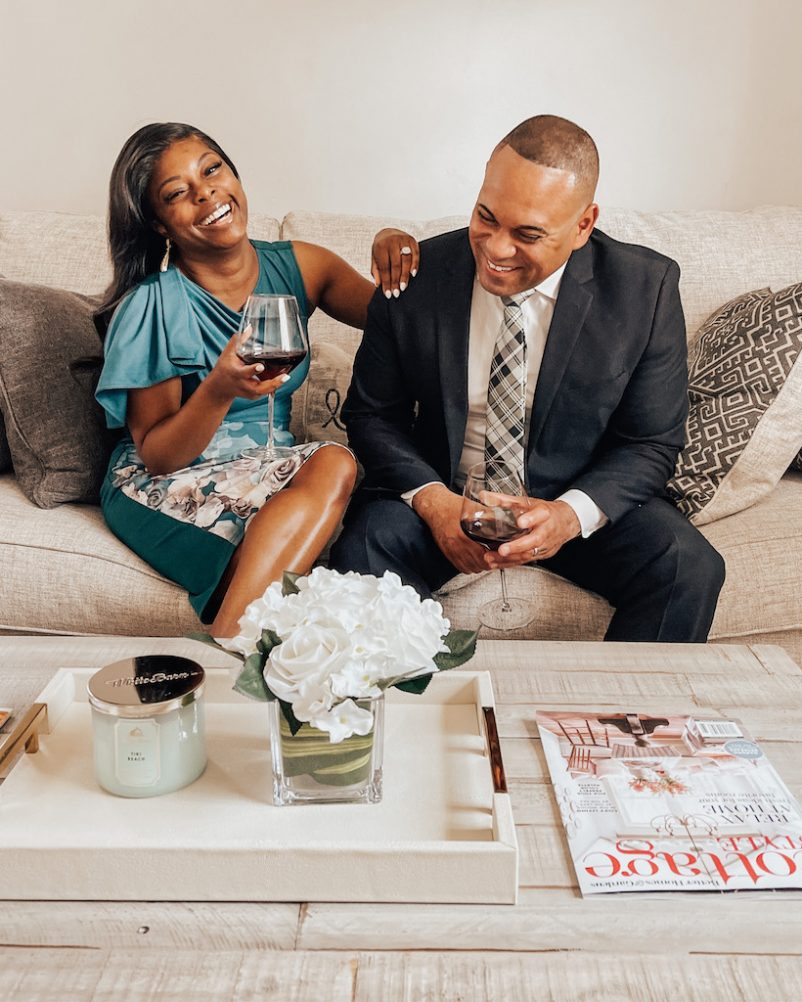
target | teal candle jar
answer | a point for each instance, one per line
(148, 725)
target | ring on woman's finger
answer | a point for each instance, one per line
(406, 250)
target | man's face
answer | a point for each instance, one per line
(526, 222)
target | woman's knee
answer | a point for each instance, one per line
(333, 468)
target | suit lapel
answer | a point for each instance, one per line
(453, 312)
(573, 303)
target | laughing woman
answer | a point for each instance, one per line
(179, 490)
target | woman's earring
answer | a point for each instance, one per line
(166, 259)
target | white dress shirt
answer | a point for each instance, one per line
(487, 316)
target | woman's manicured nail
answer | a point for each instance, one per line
(402, 286)
(396, 293)
(285, 378)
(388, 294)
(414, 272)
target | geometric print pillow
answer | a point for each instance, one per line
(745, 392)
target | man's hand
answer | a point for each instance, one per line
(440, 509)
(550, 523)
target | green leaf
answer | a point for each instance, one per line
(205, 638)
(288, 585)
(415, 685)
(251, 682)
(292, 721)
(268, 642)
(461, 646)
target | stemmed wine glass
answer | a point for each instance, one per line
(272, 333)
(491, 520)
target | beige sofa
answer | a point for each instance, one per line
(61, 571)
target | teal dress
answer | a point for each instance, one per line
(187, 524)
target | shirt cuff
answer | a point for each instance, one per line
(409, 495)
(590, 515)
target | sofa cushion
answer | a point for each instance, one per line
(64, 572)
(56, 432)
(745, 422)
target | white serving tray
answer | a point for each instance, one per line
(441, 833)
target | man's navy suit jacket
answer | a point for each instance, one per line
(611, 398)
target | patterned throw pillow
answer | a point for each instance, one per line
(745, 422)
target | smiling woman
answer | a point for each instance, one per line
(185, 488)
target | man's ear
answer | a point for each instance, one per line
(585, 224)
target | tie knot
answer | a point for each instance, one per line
(517, 300)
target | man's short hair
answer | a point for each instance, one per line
(555, 142)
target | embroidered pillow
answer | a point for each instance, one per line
(745, 388)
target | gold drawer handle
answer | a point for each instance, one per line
(24, 736)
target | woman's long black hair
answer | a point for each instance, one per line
(135, 247)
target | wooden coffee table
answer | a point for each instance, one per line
(553, 944)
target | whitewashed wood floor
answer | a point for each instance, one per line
(552, 945)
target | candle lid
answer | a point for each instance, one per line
(146, 686)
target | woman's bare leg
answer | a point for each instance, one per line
(289, 533)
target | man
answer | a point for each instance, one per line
(595, 327)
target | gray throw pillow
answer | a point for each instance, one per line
(745, 422)
(56, 432)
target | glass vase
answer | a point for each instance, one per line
(309, 769)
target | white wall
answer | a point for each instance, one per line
(392, 107)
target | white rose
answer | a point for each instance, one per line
(305, 659)
(344, 720)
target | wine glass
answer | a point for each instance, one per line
(272, 333)
(491, 521)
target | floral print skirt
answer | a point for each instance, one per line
(187, 524)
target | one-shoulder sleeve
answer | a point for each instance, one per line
(153, 335)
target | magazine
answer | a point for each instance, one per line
(660, 803)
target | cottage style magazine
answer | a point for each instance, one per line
(661, 803)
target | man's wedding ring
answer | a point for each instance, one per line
(535, 550)
(406, 250)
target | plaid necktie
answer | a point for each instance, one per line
(506, 392)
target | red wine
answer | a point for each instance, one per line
(490, 531)
(275, 363)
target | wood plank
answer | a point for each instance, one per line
(53, 975)
(457, 976)
(775, 660)
(556, 689)
(580, 978)
(28, 975)
(560, 920)
(721, 692)
(148, 925)
(572, 656)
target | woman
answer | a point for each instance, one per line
(179, 490)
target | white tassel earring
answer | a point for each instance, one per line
(166, 259)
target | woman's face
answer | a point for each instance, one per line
(198, 201)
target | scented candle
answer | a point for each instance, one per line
(148, 725)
